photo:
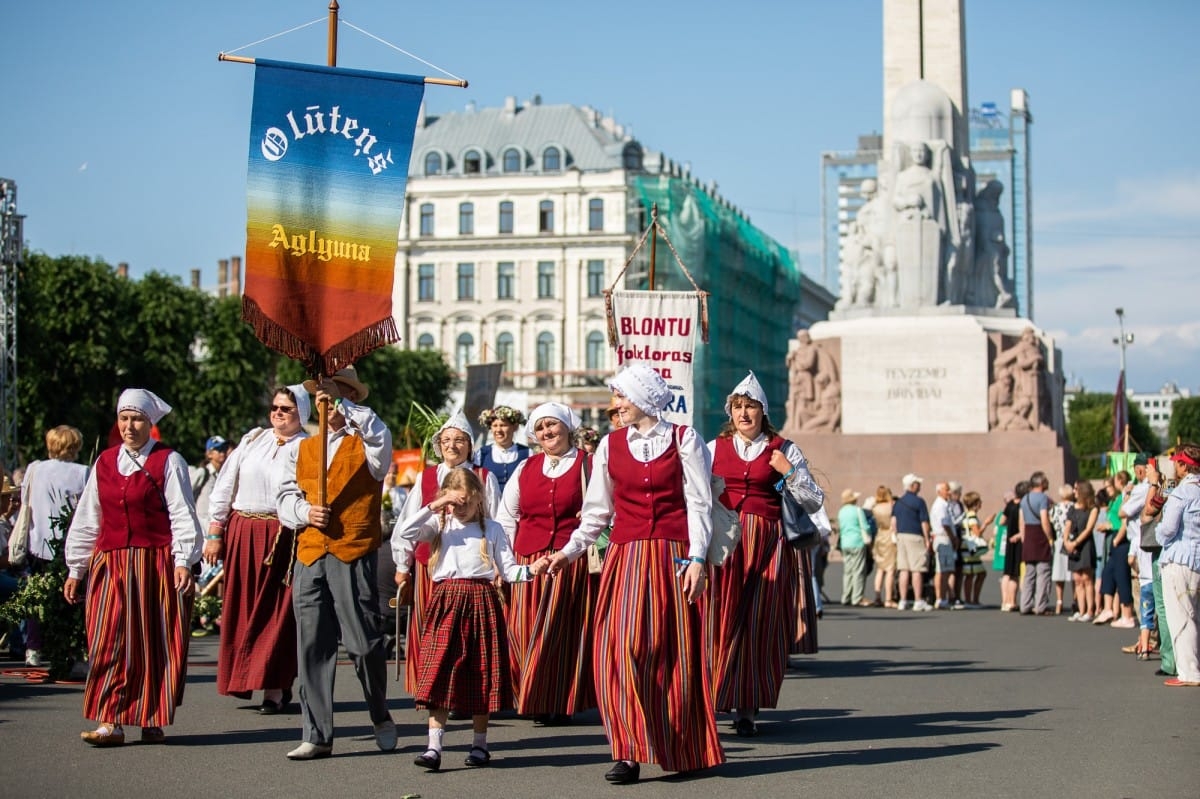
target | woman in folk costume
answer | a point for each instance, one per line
(132, 542)
(503, 455)
(452, 443)
(464, 660)
(258, 624)
(653, 687)
(752, 602)
(550, 622)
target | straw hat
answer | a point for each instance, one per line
(347, 377)
(850, 495)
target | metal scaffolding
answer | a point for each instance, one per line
(12, 247)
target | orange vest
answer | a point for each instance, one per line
(354, 498)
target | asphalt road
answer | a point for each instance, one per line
(898, 704)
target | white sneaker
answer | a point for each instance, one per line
(959, 605)
(385, 735)
(309, 751)
(1085, 618)
(1076, 617)
(33, 658)
(921, 605)
(1124, 624)
(902, 604)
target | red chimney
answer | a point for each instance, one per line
(235, 275)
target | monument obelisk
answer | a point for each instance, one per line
(925, 366)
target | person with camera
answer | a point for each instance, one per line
(1178, 533)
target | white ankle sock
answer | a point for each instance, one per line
(480, 740)
(435, 740)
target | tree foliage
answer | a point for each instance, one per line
(1090, 430)
(1185, 420)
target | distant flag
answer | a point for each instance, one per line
(1120, 415)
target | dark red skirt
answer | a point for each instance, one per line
(806, 601)
(258, 624)
(464, 650)
(422, 589)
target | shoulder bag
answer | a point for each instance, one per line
(726, 523)
(18, 542)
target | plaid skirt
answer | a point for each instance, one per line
(138, 629)
(464, 650)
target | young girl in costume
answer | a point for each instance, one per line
(464, 662)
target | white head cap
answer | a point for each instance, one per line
(144, 402)
(749, 387)
(456, 422)
(554, 410)
(644, 387)
(303, 403)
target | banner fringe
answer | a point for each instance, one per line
(276, 337)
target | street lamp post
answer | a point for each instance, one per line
(1121, 341)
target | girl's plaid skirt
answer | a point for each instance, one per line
(464, 650)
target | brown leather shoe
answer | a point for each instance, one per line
(104, 735)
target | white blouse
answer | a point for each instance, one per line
(402, 549)
(459, 555)
(255, 471)
(177, 487)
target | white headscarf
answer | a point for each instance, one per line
(644, 387)
(749, 387)
(554, 410)
(303, 403)
(456, 422)
(144, 402)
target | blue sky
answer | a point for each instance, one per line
(127, 138)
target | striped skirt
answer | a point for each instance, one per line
(422, 588)
(806, 605)
(464, 650)
(652, 673)
(258, 624)
(752, 621)
(138, 629)
(550, 640)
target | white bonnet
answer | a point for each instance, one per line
(144, 402)
(749, 387)
(554, 410)
(644, 387)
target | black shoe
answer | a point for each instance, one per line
(622, 773)
(458, 715)
(745, 728)
(269, 708)
(429, 759)
(1161, 673)
(554, 720)
(478, 757)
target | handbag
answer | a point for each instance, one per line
(726, 523)
(18, 542)
(1149, 542)
(595, 552)
(798, 527)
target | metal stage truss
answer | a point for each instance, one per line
(12, 247)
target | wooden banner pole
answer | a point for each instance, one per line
(653, 243)
(333, 23)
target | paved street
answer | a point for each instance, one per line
(963, 703)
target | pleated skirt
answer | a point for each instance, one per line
(550, 640)
(422, 589)
(464, 650)
(752, 621)
(653, 687)
(138, 629)
(258, 623)
(806, 606)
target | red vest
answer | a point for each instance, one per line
(549, 506)
(647, 497)
(429, 490)
(132, 513)
(749, 485)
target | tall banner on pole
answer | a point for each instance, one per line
(659, 328)
(328, 166)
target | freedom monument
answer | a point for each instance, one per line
(925, 366)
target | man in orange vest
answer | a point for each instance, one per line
(333, 583)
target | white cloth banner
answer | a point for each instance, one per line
(658, 328)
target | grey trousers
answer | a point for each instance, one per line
(1038, 573)
(331, 597)
(854, 575)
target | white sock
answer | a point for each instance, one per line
(480, 740)
(435, 740)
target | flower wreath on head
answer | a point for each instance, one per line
(502, 412)
(588, 436)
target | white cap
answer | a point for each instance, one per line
(144, 402)
(911, 478)
(749, 387)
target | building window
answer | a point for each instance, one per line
(504, 280)
(425, 342)
(512, 160)
(545, 280)
(433, 164)
(466, 281)
(595, 278)
(545, 358)
(472, 163)
(462, 351)
(631, 157)
(506, 217)
(425, 283)
(466, 219)
(551, 160)
(504, 350)
(546, 216)
(594, 357)
(596, 214)
(426, 219)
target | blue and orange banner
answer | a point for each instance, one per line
(329, 152)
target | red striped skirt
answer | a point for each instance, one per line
(138, 631)
(258, 624)
(752, 621)
(652, 672)
(422, 589)
(550, 640)
(806, 604)
(464, 650)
